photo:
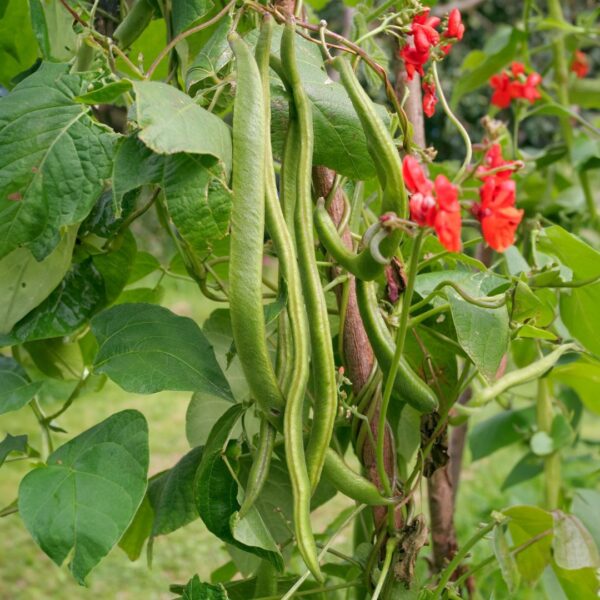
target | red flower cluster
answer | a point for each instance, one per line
(429, 98)
(496, 210)
(440, 210)
(513, 84)
(425, 36)
(580, 64)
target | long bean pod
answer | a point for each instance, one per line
(292, 424)
(323, 364)
(247, 233)
(260, 467)
(408, 386)
(351, 483)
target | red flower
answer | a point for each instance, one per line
(442, 211)
(414, 178)
(510, 86)
(492, 161)
(580, 64)
(423, 31)
(455, 28)
(502, 86)
(497, 213)
(429, 98)
(413, 60)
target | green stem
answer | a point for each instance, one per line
(457, 124)
(318, 590)
(428, 313)
(481, 302)
(389, 384)
(380, 10)
(47, 445)
(588, 195)
(389, 553)
(544, 418)
(458, 558)
(72, 397)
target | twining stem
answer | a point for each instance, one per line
(457, 124)
(400, 338)
(544, 418)
(318, 590)
(436, 310)
(458, 558)
(47, 445)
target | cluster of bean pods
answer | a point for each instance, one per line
(304, 336)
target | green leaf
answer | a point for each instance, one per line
(579, 307)
(139, 530)
(195, 187)
(586, 507)
(144, 264)
(213, 56)
(25, 282)
(527, 522)
(499, 50)
(579, 584)
(583, 375)
(18, 46)
(59, 358)
(107, 94)
(198, 590)
(146, 349)
(203, 412)
(12, 443)
(83, 500)
(216, 496)
(53, 28)
(54, 160)
(172, 122)
(482, 332)
(171, 495)
(16, 389)
(585, 93)
(527, 468)
(79, 295)
(499, 431)
(573, 546)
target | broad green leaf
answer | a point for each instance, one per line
(579, 307)
(171, 495)
(499, 431)
(213, 56)
(527, 522)
(583, 375)
(18, 46)
(53, 28)
(579, 584)
(531, 332)
(144, 264)
(172, 122)
(12, 443)
(203, 412)
(59, 358)
(16, 389)
(573, 546)
(216, 494)
(146, 349)
(482, 332)
(54, 160)
(83, 500)
(142, 295)
(78, 296)
(586, 507)
(195, 187)
(499, 50)
(139, 530)
(25, 282)
(107, 94)
(527, 468)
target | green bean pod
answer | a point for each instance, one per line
(134, 23)
(325, 404)
(382, 149)
(260, 467)
(247, 233)
(289, 175)
(292, 423)
(350, 483)
(361, 265)
(408, 386)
